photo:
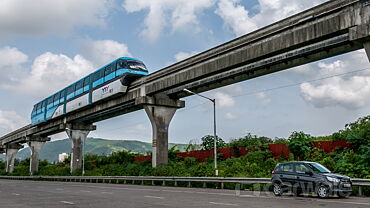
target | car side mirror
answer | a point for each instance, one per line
(310, 173)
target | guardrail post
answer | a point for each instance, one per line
(189, 184)
(164, 183)
(204, 185)
(175, 183)
(360, 191)
(222, 185)
(153, 184)
(142, 182)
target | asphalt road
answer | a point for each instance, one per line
(40, 194)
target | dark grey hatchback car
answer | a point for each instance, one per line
(308, 177)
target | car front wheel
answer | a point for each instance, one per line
(323, 191)
(278, 191)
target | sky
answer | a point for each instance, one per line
(46, 45)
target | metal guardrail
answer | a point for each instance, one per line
(117, 179)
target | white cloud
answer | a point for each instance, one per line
(11, 56)
(10, 120)
(236, 17)
(262, 97)
(178, 14)
(230, 116)
(351, 91)
(184, 55)
(102, 52)
(48, 74)
(50, 17)
(224, 100)
(51, 72)
(11, 60)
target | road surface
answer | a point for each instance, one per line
(40, 194)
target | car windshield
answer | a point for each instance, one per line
(318, 168)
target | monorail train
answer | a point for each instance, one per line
(109, 80)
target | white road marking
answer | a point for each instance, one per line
(67, 202)
(59, 189)
(154, 197)
(85, 191)
(224, 204)
(345, 202)
(16, 194)
(104, 192)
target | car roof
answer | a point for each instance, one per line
(293, 162)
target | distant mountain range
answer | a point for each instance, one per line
(96, 146)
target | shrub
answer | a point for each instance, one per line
(300, 144)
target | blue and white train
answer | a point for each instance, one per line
(109, 80)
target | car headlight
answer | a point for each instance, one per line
(331, 179)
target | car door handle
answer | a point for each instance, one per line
(297, 177)
(281, 175)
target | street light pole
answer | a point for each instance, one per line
(83, 157)
(214, 126)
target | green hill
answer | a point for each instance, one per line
(51, 150)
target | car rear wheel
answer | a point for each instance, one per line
(323, 191)
(278, 191)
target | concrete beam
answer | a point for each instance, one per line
(11, 151)
(160, 110)
(367, 49)
(78, 134)
(35, 144)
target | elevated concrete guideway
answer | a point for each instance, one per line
(333, 28)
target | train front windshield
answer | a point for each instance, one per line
(136, 65)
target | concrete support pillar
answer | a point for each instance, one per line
(78, 134)
(367, 49)
(11, 151)
(35, 147)
(160, 110)
(160, 118)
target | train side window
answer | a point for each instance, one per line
(79, 85)
(43, 104)
(50, 100)
(70, 89)
(107, 70)
(39, 108)
(121, 64)
(98, 75)
(86, 81)
(56, 97)
(62, 94)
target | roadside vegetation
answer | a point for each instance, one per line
(259, 162)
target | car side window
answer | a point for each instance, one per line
(301, 169)
(287, 167)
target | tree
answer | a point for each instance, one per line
(208, 142)
(300, 144)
